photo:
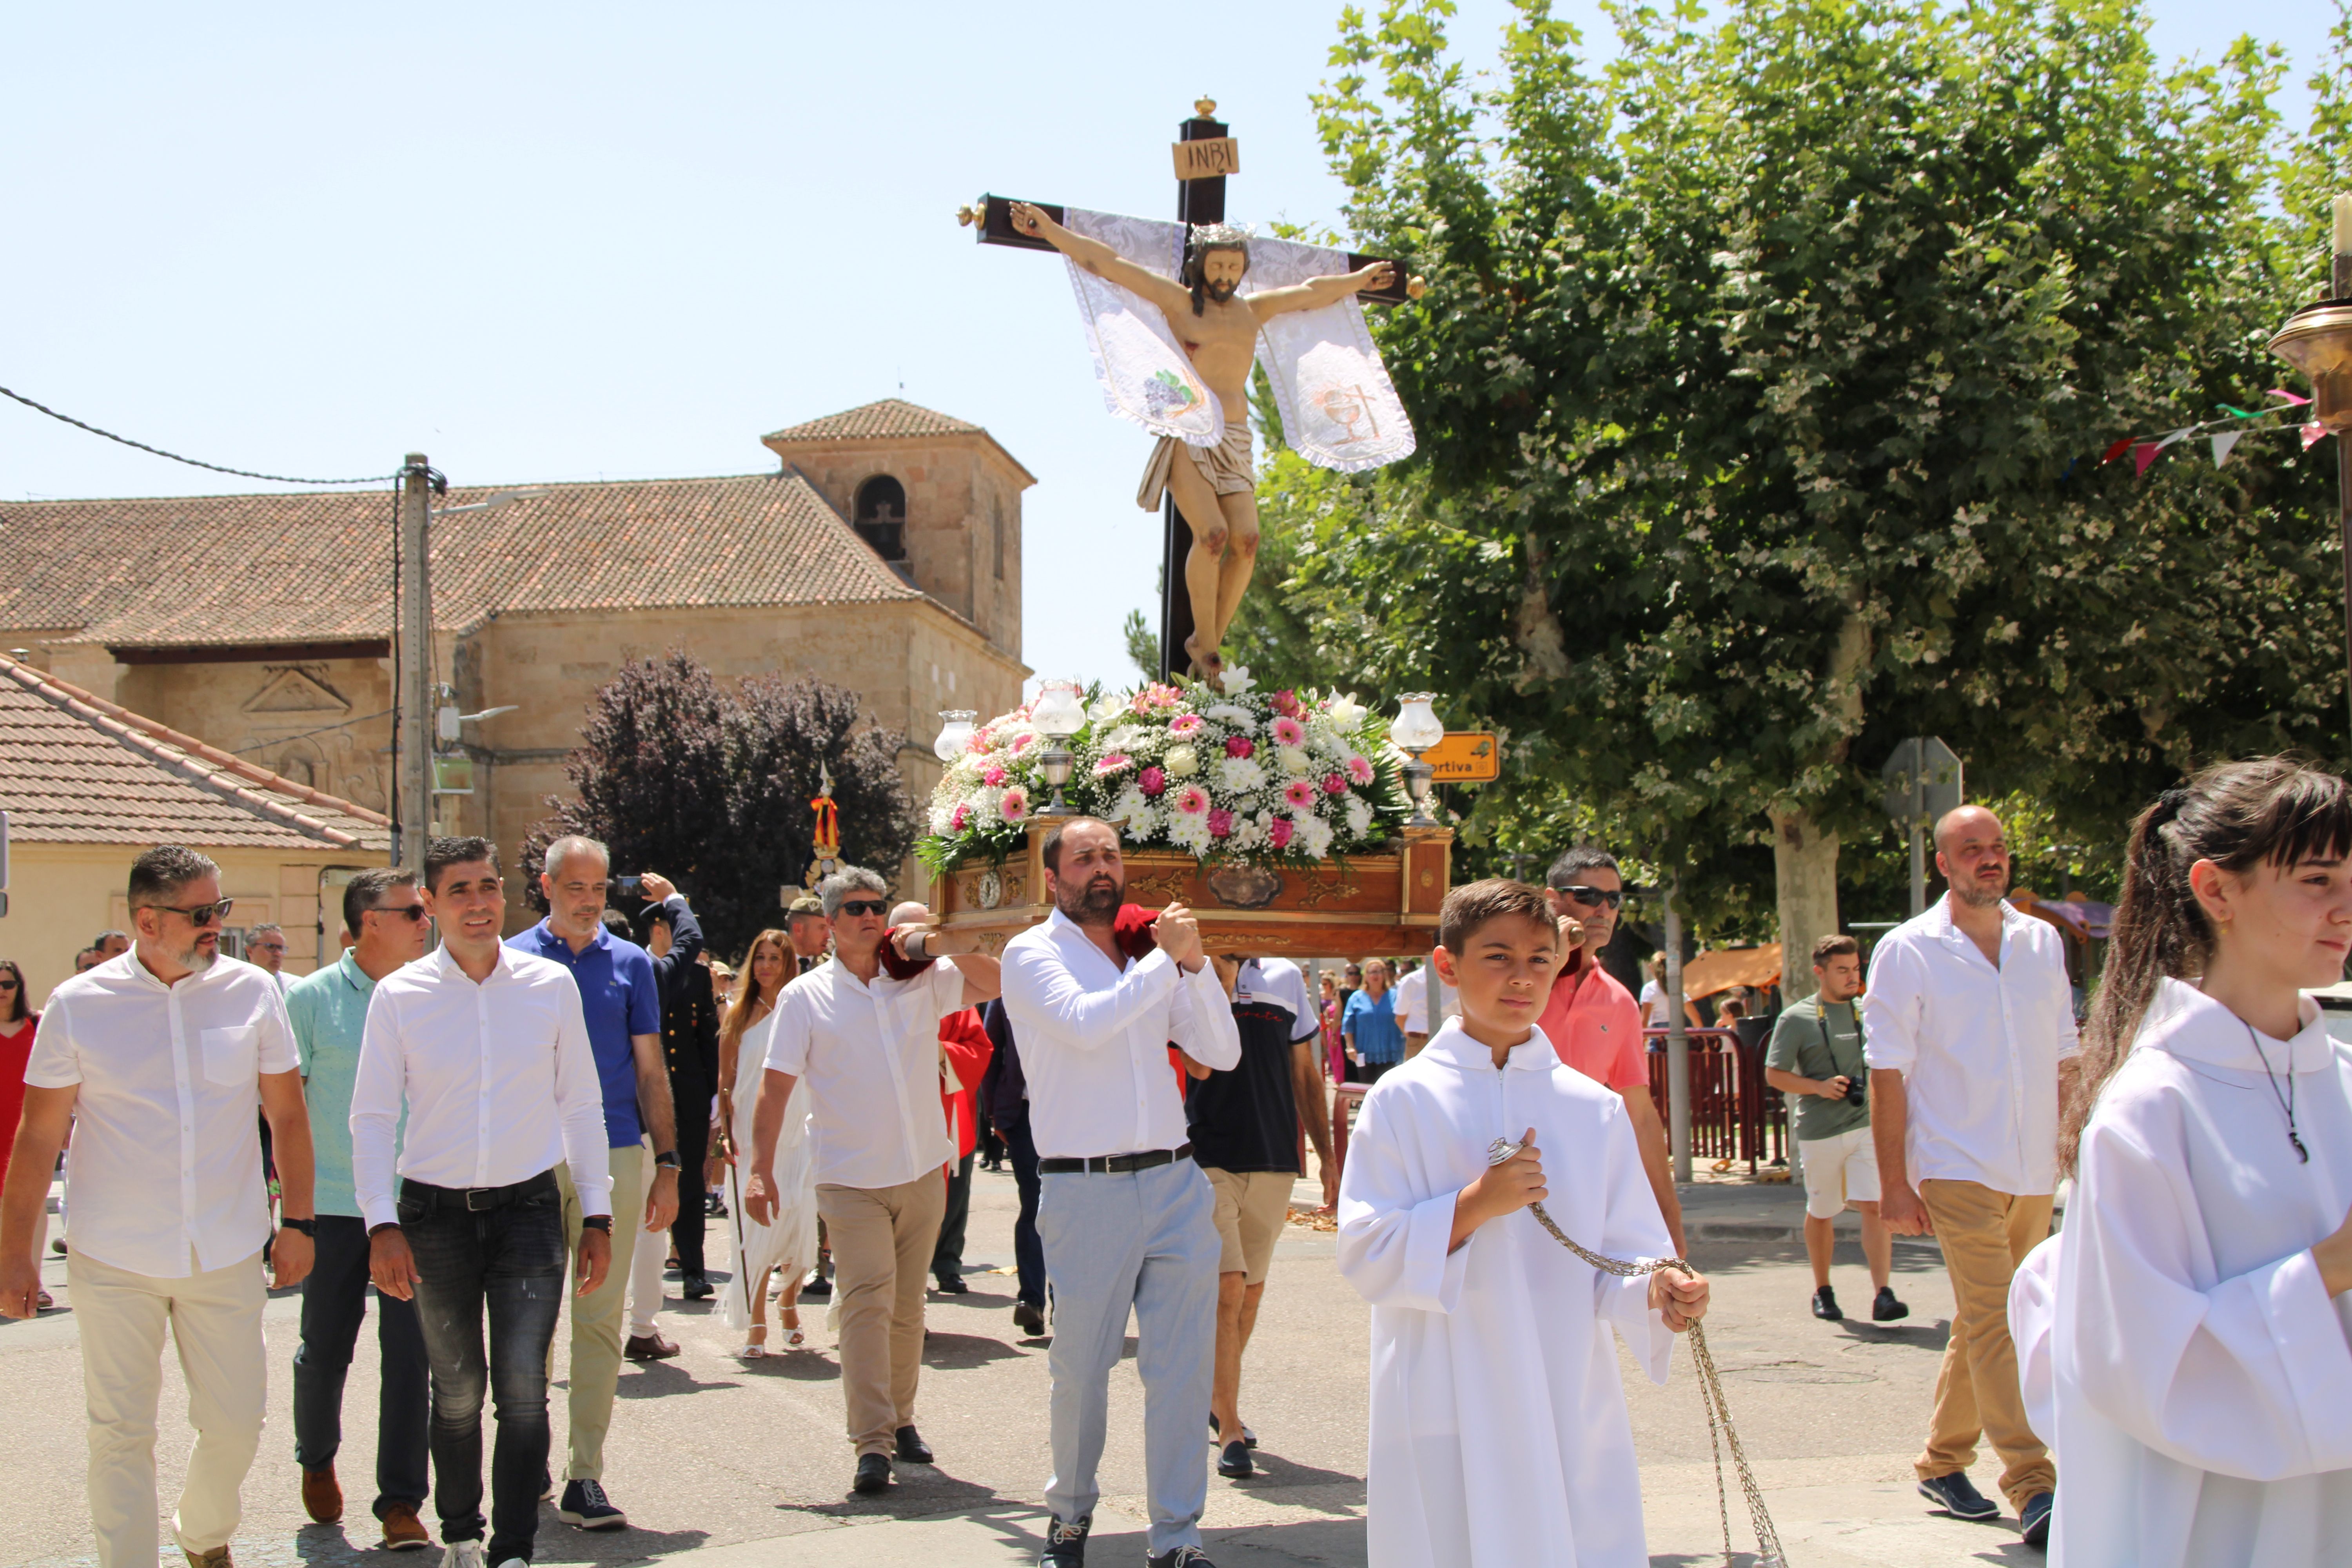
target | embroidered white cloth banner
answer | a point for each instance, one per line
(1339, 410)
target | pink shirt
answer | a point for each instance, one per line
(1593, 1024)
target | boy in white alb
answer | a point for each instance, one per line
(1499, 1433)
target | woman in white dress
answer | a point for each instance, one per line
(789, 1245)
(2186, 1343)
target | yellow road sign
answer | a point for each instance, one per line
(1465, 756)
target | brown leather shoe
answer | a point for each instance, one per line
(403, 1530)
(216, 1558)
(649, 1347)
(322, 1496)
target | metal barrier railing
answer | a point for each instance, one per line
(1735, 1115)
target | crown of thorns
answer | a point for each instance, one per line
(1212, 235)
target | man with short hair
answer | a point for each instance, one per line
(265, 949)
(1969, 1025)
(86, 960)
(1127, 1220)
(111, 945)
(620, 996)
(1244, 1127)
(807, 929)
(1593, 1020)
(690, 1053)
(1816, 1059)
(329, 1014)
(483, 1049)
(155, 1061)
(868, 1047)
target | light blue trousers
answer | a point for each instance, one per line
(1145, 1241)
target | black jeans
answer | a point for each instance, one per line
(1028, 1251)
(510, 1259)
(692, 1097)
(334, 1302)
(947, 1255)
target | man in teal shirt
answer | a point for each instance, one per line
(1815, 1058)
(329, 1010)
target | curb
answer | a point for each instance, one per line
(1750, 1230)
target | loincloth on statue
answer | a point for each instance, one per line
(1226, 465)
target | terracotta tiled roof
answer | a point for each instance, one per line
(77, 769)
(893, 417)
(213, 571)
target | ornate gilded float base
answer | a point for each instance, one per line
(1384, 903)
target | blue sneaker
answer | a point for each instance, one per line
(1958, 1497)
(2033, 1519)
(586, 1505)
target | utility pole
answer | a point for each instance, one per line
(412, 763)
(1678, 1093)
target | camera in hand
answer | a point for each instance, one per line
(1856, 1092)
(631, 887)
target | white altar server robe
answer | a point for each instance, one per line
(2201, 1376)
(1499, 1433)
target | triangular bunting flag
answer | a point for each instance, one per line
(2118, 450)
(2312, 432)
(2241, 413)
(2291, 398)
(2222, 445)
(2145, 452)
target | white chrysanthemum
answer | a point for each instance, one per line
(1294, 760)
(987, 804)
(1359, 816)
(1181, 762)
(1240, 775)
(1189, 833)
(1127, 737)
(1240, 719)
(1314, 836)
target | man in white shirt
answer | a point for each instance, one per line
(155, 1059)
(1966, 1022)
(1127, 1218)
(486, 1050)
(1418, 1014)
(869, 1048)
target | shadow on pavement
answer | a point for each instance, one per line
(920, 1491)
(654, 1379)
(963, 1352)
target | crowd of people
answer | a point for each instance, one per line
(493, 1129)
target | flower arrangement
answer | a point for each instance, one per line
(1222, 772)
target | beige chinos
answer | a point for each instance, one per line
(882, 1244)
(597, 1317)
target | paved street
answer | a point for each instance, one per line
(722, 1463)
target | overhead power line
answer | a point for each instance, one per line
(192, 462)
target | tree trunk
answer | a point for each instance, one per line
(1804, 857)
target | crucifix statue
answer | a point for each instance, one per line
(1177, 316)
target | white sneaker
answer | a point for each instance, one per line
(464, 1554)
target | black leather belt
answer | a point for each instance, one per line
(1113, 1164)
(475, 1200)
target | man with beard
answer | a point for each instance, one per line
(1967, 1023)
(161, 1056)
(1127, 1218)
(1215, 487)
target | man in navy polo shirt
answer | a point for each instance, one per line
(622, 1002)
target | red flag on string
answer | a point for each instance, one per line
(2118, 450)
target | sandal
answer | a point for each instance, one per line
(44, 1301)
(794, 1338)
(754, 1349)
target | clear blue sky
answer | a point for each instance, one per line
(543, 242)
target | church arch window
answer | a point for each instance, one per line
(881, 516)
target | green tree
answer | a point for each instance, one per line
(1761, 386)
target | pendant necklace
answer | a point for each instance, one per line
(2286, 1100)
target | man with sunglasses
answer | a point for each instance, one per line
(161, 1056)
(869, 1048)
(1593, 1022)
(385, 912)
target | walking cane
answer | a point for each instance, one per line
(735, 1215)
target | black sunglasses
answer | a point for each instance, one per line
(875, 906)
(203, 914)
(412, 913)
(1593, 898)
(6, 984)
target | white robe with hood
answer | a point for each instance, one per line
(2178, 1352)
(1499, 1432)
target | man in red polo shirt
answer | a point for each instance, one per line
(1593, 1022)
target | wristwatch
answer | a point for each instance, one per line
(309, 1227)
(603, 1222)
(667, 1161)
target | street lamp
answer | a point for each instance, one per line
(2318, 340)
(956, 735)
(1415, 731)
(1058, 715)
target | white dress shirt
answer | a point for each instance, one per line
(163, 1071)
(1093, 1040)
(1979, 1048)
(498, 1077)
(1412, 1002)
(870, 1057)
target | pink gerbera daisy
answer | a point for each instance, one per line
(1184, 723)
(1112, 763)
(1300, 793)
(1359, 770)
(1022, 742)
(1192, 800)
(1290, 732)
(1015, 804)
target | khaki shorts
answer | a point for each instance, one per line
(1252, 1209)
(1839, 1171)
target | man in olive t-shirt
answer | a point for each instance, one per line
(1815, 1058)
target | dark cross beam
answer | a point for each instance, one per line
(1197, 202)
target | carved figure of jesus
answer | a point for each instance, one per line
(1215, 487)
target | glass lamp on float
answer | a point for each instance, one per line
(1416, 729)
(1058, 714)
(955, 735)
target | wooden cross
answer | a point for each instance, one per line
(1206, 153)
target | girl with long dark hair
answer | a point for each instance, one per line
(789, 1245)
(19, 1023)
(2184, 1339)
